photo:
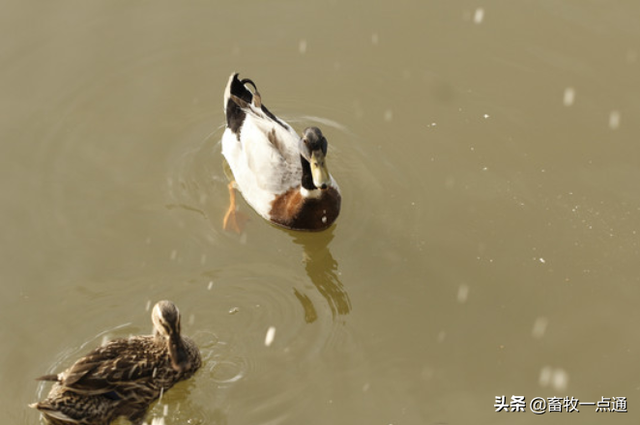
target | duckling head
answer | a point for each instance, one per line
(166, 322)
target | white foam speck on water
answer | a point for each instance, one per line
(375, 39)
(539, 327)
(269, 337)
(556, 378)
(478, 16)
(174, 254)
(545, 376)
(148, 306)
(302, 46)
(388, 115)
(614, 120)
(569, 96)
(463, 293)
(210, 285)
(560, 380)
(542, 260)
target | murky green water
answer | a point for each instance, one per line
(489, 161)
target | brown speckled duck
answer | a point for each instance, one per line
(124, 376)
(283, 176)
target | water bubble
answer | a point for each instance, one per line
(545, 376)
(539, 327)
(271, 334)
(463, 293)
(302, 46)
(614, 120)
(478, 16)
(560, 380)
(557, 378)
(569, 96)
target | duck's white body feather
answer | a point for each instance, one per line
(261, 169)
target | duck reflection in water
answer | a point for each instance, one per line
(322, 269)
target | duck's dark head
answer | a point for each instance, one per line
(313, 152)
(166, 322)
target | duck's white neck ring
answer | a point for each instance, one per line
(313, 193)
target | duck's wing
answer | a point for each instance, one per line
(70, 408)
(117, 364)
(269, 154)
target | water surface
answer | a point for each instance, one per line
(487, 246)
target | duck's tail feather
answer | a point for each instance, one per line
(238, 99)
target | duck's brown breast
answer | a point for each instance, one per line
(293, 211)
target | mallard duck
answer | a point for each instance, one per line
(124, 376)
(283, 176)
